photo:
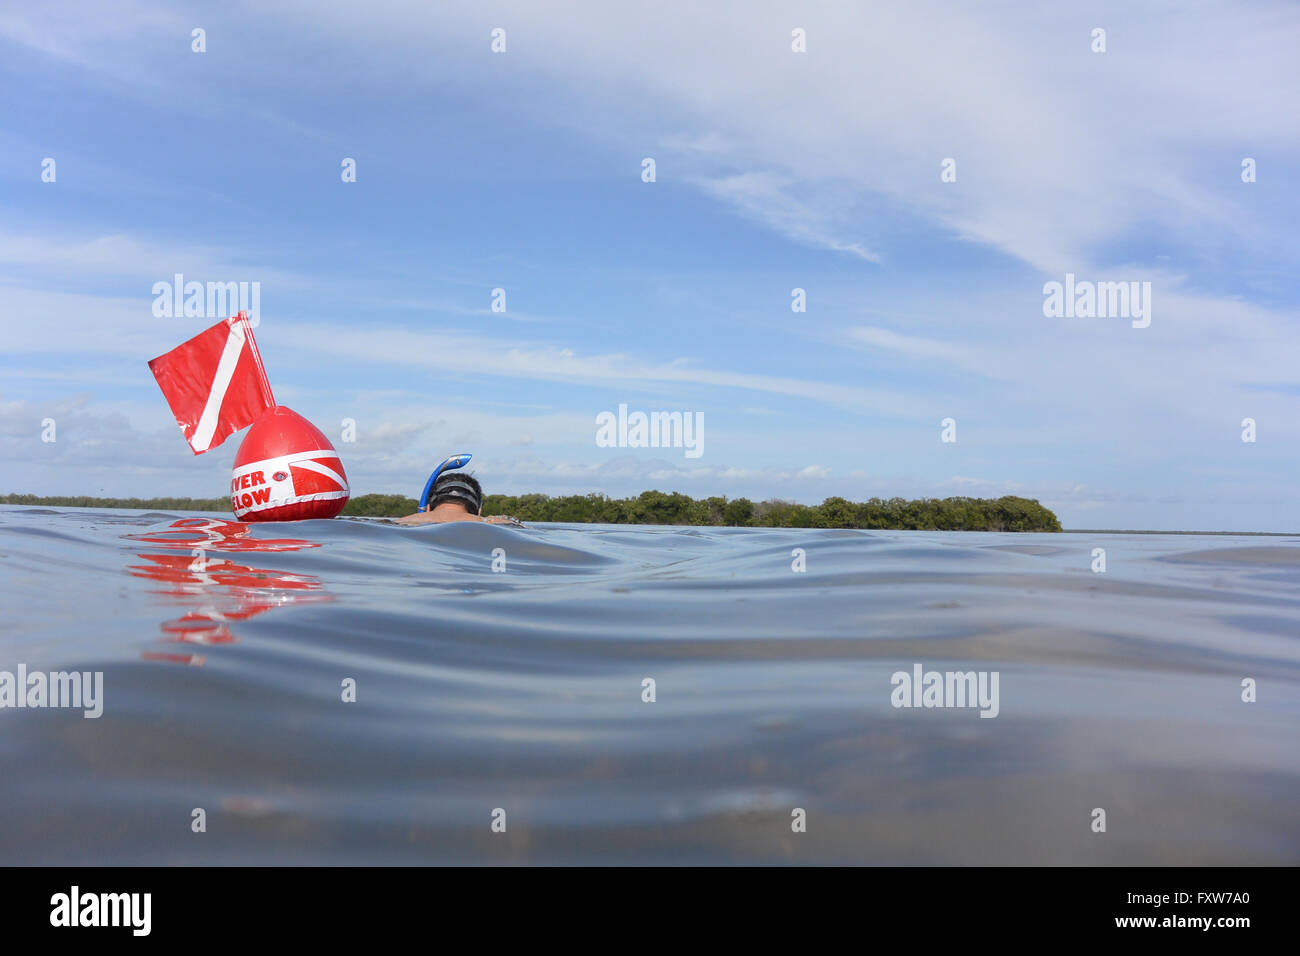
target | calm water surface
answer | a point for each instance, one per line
(225, 647)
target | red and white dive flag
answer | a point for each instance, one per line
(214, 383)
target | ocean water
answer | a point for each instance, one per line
(516, 698)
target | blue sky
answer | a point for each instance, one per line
(774, 170)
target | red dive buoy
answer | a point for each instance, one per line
(286, 470)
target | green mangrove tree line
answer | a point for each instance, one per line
(1009, 513)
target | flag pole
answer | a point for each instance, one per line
(262, 380)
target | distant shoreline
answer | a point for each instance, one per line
(1008, 513)
(1275, 534)
(389, 506)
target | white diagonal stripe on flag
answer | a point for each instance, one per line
(220, 382)
(320, 469)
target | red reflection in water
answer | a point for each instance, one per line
(224, 590)
(217, 534)
(196, 659)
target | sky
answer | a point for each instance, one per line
(775, 169)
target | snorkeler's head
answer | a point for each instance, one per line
(458, 487)
(455, 461)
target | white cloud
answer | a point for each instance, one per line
(125, 256)
(770, 199)
(543, 361)
(1058, 149)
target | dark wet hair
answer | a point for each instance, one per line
(458, 487)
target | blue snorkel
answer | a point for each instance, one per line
(455, 461)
